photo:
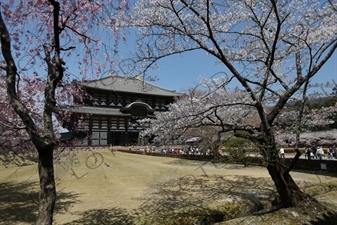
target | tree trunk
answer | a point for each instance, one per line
(47, 193)
(290, 194)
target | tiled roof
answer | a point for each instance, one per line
(130, 85)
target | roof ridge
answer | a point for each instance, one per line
(104, 83)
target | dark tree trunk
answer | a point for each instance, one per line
(215, 155)
(290, 194)
(47, 193)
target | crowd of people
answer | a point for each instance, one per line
(315, 152)
(310, 152)
(318, 152)
(175, 150)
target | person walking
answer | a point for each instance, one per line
(320, 152)
(281, 152)
(309, 154)
(330, 153)
(314, 151)
(306, 152)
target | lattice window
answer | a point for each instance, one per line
(114, 123)
(104, 123)
(95, 124)
(103, 101)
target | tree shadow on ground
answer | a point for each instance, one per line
(327, 219)
(317, 173)
(204, 200)
(19, 202)
(112, 216)
(201, 163)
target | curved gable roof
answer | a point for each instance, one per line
(130, 85)
(137, 103)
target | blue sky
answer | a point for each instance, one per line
(180, 72)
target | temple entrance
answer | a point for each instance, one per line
(117, 138)
(122, 138)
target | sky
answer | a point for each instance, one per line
(181, 72)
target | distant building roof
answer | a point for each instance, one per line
(193, 139)
(129, 85)
(66, 135)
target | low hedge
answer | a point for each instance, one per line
(286, 150)
(302, 164)
(314, 164)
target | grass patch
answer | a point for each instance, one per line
(103, 187)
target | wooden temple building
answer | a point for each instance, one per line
(109, 115)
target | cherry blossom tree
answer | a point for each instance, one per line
(220, 114)
(41, 42)
(273, 49)
(12, 133)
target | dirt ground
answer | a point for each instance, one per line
(104, 187)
